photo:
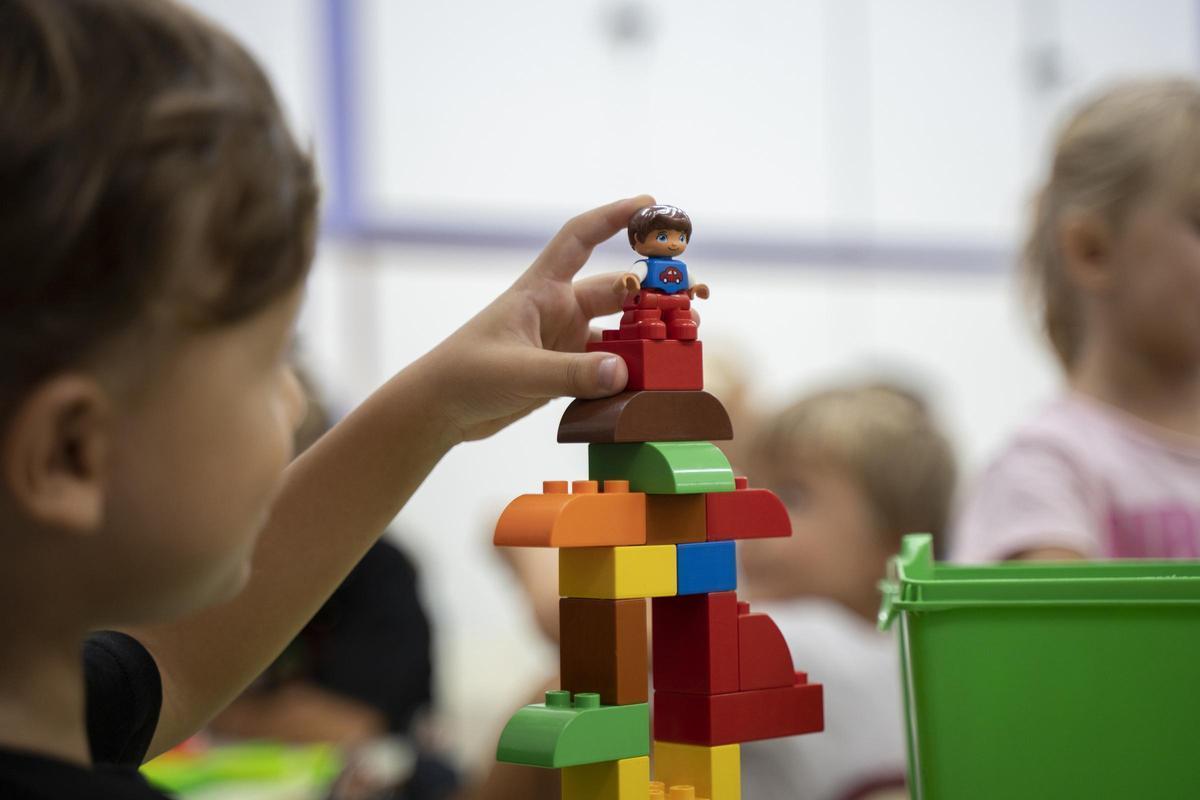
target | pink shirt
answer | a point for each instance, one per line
(1088, 477)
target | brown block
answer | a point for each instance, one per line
(676, 518)
(646, 416)
(603, 648)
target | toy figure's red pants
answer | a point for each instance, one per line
(651, 314)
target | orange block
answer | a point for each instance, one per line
(585, 517)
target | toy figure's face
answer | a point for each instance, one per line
(662, 243)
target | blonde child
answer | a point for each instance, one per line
(1110, 469)
(857, 467)
(156, 226)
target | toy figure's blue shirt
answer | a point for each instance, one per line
(667, 275)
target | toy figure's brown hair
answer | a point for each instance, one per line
(147, 177)
(653, 218)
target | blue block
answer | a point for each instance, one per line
(704, 567)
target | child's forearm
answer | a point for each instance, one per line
(335, 501)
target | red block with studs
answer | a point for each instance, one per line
(667, 364)
(746, 513)
(718, 719)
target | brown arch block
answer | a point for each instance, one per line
(585, 517)
(646, 416)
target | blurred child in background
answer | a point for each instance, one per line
(858, 467)
(1110, 469)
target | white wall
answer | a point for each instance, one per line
(900, 119)
(915, 119)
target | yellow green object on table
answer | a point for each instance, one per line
(182, 771)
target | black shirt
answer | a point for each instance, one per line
(124, 695)
(369, 642)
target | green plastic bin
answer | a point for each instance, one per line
(1048, 680)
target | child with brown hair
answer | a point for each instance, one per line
(858, 467)
(1111, 469)
(157, 227)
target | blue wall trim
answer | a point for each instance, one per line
(342, 207)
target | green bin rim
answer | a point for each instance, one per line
(916, 583)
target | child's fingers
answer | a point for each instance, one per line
(595, 295)
(571, 246)
(548, 373)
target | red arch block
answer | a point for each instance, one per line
(764, 661)
(746, 513)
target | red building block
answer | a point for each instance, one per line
(739, 716)
(764, 661)
(746, 513)
(695, 643)
(667, 364)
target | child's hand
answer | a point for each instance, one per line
(525, 348)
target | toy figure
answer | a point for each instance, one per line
(660, 306)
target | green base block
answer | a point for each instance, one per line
(662, 467)
(559, 734)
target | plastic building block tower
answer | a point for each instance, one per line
(655, 524)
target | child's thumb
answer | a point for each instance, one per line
(554, 374)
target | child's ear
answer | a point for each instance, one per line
(53, 454)
(1086, 243)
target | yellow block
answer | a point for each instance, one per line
(625, 779)
(617, 572)
(680, 793)
(716, 772)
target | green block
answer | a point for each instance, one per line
(559, 734)
(662, 467)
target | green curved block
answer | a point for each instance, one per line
(662, 467)
(561, 734)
